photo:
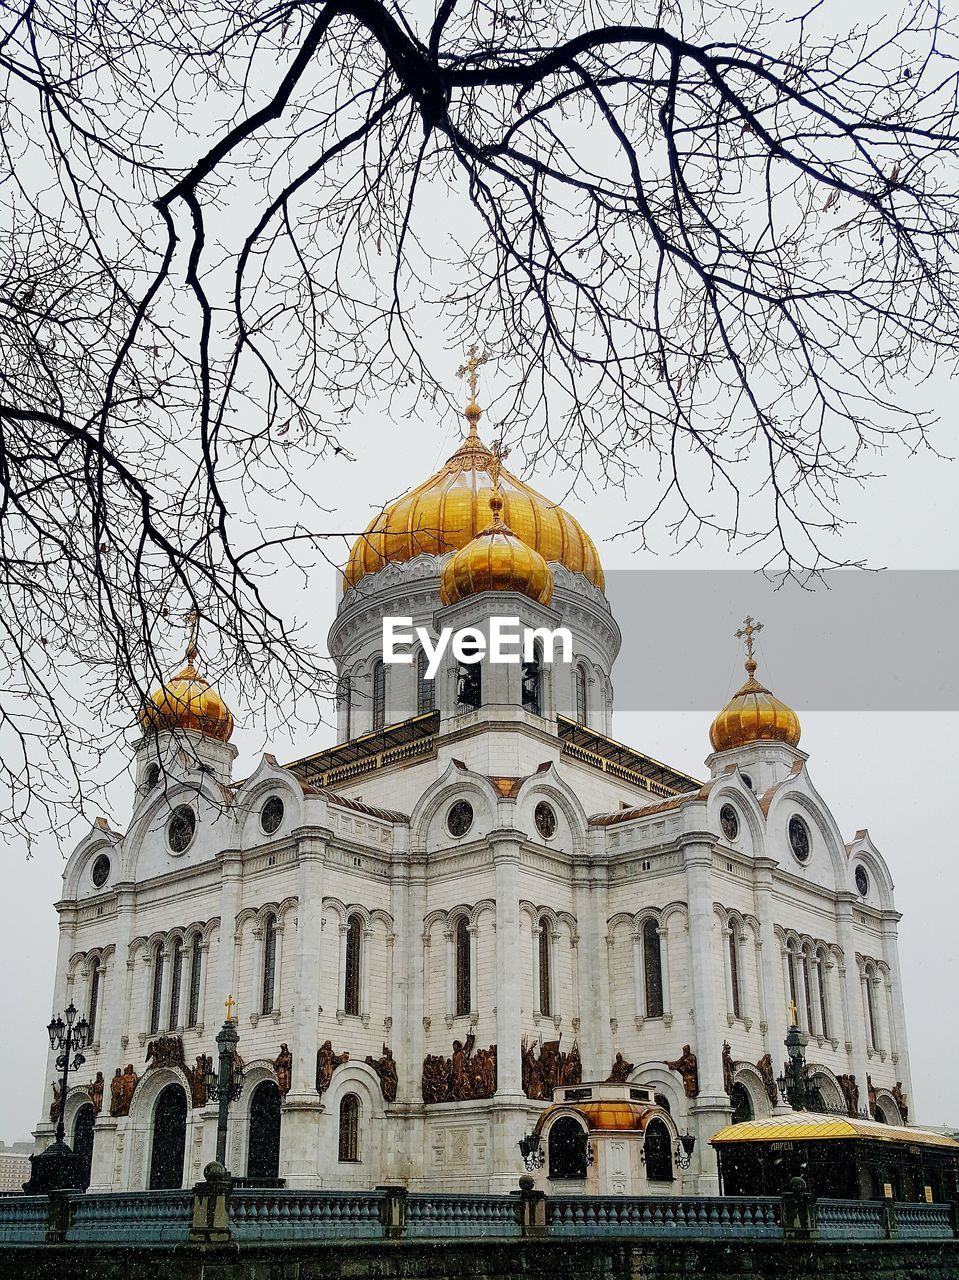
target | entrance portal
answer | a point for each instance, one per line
(263, 1158)
(169, 1139)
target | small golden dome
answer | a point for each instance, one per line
(753, 714)
(187, 701)
(448, 510)
(496, 560)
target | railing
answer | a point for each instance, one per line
(474, 1216)
(23, 1219)
(312, 1215)
(150, 1217)
(700, 1217)
(922, 1221)
(851, 1219)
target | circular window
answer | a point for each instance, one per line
(748, 781)
(180, 828)
(545, 818)
(151, 777)
(799, 840)
(101, 871)
(862, 881)
(271, 815)
(729, 821)
(460, 818)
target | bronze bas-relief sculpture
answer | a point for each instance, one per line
(465, 1076)
(619, 1071)
(542, 1074)
(765, 1068)
(850, 1091)
(687, 1067)
(283, 1066)
(121, 1090)
(326, 1063)
(385, 1068)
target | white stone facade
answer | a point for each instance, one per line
(364, 846)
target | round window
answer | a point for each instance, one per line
(151, 777)
(180, 828)
(271, 815)
(460, 818)
(729, 821)
(862, 881)
(799, 839)
(545, 818)
(101, 871)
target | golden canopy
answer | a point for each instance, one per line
(187, 701)
(496, 560)
(449, 509)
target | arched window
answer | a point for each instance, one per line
(742, 1103)
(871, 1010)
(581, 691)
(83, 1141)
(545, 974)
(379, 694)
(469, 682)
(345, 692)
(791, 973)
(652, 969)
(176, 973)
(169, 1139)
(196, 962)
(533, 683)
(568, 1149)
(157, 992)
(263, 1158)
(354, 943)
(94, 998)
(658, 1150)
(823, 1003)
(734, 970)
(425, 694)
(268, 1001)
(349, 1143)
(462, 944)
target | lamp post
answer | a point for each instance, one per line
(225, 1085)
(531, 1151)
(58, 1167)
(794, 1086)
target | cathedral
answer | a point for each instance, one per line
(478, 936)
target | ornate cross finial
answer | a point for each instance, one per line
(495, 467)
(793, 1012)
(229, 1005)
(473, 363)
(746, 633)
(191, 620)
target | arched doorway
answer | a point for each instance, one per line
(658, 1152)
(169, 1139)
(742, 1103)
(83, 1123)
(568, 1149)
(263, 1156)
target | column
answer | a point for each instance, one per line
(711, 1109)
(535, 931)
(224, 981)
(473, 932)
(890, 950)
(639, 978)
(855, 1027)
(775, 998)
(341, 973)
(662, 933)
(816, 1005)
(508, 1120)
(728, 941)
(450, 941)
(299, 1134)
(595, 1037)
(365, 977)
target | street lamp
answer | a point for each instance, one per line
(226, 1085)
(58, 1166)
(794, 1086)
(531, 1150)
(685, 1146)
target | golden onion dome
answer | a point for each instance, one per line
(187, 701)
(448, 510)
(753, 714)
(496, 560)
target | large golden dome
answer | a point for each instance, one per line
(449, 509)
(187, 701)
(496, 560)
(753, 714)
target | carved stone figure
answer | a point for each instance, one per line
(871, 1095)
(96, 1092)
(55, 1104)
(165, 1051)
(900, 1099)
(460, 1078)
(385, 1068)
(121, 1090)
(727, 1068)
(198, 1079)
(541, 1075)
(619, 1072)
(326, 1063)
(687, 1067)
(283, 1066)
(765, 1068)
(850, 1091)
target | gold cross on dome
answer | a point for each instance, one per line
(496, 466)
(747, 631)
(793, 1012)
(473, 363)
(229, 1005)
